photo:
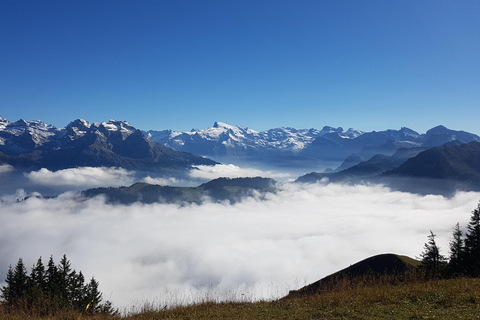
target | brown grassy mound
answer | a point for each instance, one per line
(383, 268)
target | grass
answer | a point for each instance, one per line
(439, 299)
(442, 299)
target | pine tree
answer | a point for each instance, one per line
(6, 291)
(52, 285)
(37, 284)
(78, 291)
(65, 280)
(457, 253)
(472, 243)
(37, 275)
(93, 296)
(432, 260)
(20, 282)
(52, 289)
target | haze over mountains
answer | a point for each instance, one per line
(383, 156)
(309, 148)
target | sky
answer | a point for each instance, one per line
(370, 65)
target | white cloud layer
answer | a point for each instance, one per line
(233, 171)
(5, 168)
(162, 181)
(167, 254)
(83, 177)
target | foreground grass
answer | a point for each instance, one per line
(443, 299)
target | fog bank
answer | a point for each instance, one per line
(257, 248)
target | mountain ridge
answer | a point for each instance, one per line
(444, 169)
(34, 145)
(309, 147)
(217, 190)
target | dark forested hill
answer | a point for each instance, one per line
(452, 162)
(441, 169)
(222, 189)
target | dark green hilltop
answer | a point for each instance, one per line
(367, 271)
(221, 189)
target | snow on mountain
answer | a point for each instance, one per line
(300, 147)
(123, 127)
(24, 136)
(21, 136)
(281, 147)
(34, 144)
(223, 138)
(351, 133)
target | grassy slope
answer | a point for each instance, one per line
(386, 267)
(442, 299)
(445, 299)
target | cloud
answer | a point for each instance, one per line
(169, 254)
(232, 171)
(172, 181)
(83, 177)
(6, 168)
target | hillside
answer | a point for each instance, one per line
(444, 169)
(445, 299)
(222, 189)
(459, 164)
(367, 271)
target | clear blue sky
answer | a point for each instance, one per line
(179, 64)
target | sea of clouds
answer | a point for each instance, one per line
(91, 177)
(255, 249)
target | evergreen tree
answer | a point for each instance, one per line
(37, 284)
(20, 281)
(52, 285)
(48, 290)
(78, 290)
(6, 291)
(457, 253)
(431, 258)
(65, 280)
(37, 275)
(93, 297)
(472, 243)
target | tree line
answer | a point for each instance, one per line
(49, 289)
(464, 252)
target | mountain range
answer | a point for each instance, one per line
(34, 144)
(391, 157)
(444, 169)
(309, 148)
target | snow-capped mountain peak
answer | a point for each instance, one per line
(21, 135)
(239, 140)
(351, 133)
(114, 125)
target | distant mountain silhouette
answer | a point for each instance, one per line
(222, 189)
(448, 167)
(441, 169)
(365, 169)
